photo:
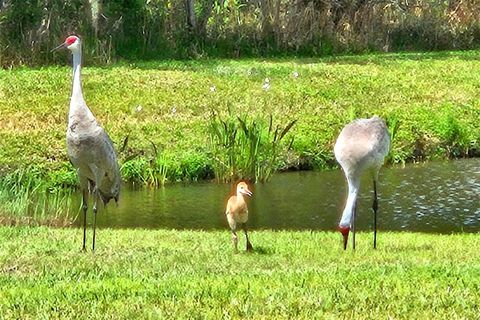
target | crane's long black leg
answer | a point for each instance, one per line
(353, 224)
(249, 245)
(84, 208)
(375, 208)
(94, 217)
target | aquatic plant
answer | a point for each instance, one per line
(25, 199)
(454, 138)
(150, 170)
(245, 148)
(223, 145)
(393, 124)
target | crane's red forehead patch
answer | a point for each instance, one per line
(70, 40)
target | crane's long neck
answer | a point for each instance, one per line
(77, 82)
(78, 107)
(353, 188)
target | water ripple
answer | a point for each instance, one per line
(432, 197)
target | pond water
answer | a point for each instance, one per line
(431, 197)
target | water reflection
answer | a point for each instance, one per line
(431, 197)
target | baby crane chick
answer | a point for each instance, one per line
(237, 213)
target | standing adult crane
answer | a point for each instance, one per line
(237, 212)
(361, 146)
(89, 147)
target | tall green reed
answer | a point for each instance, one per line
(393, 123)
(26, 199)
(243, 148)
(150, 171)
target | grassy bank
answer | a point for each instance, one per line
(194, 274)
(430, 101)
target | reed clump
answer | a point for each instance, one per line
(25, 200)
(147, 168)
(243, 148)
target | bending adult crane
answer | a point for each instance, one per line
(361, 146)
(237, 212)
(89, 147)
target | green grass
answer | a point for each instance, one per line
(431, 98)
(194, 274)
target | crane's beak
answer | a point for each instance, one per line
(345, 231)
(63, 45)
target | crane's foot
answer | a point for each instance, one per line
(249, 247)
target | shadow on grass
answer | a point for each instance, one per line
(262, 250)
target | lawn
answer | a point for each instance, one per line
(194, 274)
(429, 100)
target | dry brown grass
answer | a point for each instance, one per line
(159, 29)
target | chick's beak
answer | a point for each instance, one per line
(248, 192)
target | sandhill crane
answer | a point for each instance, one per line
(362, 145)
(237, 213)
(89, 147)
